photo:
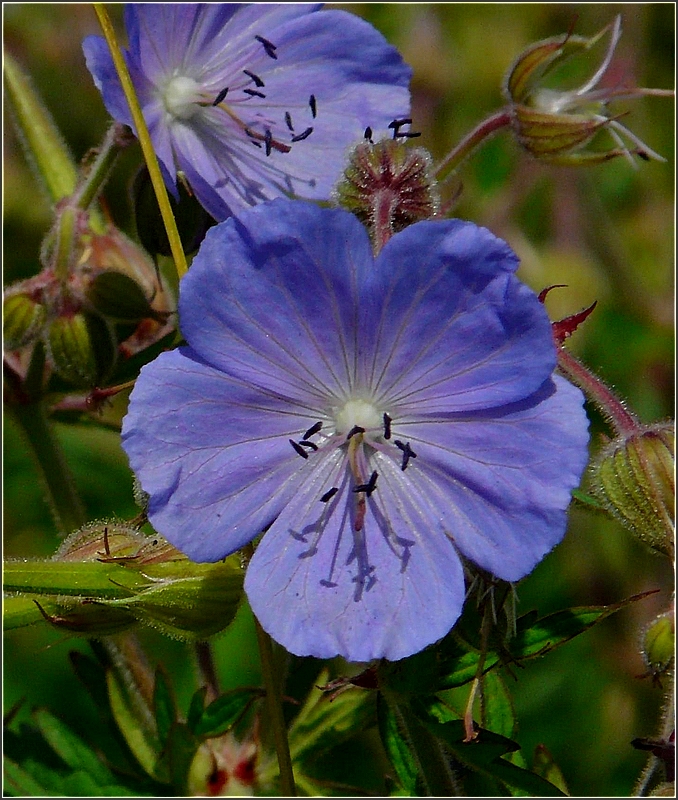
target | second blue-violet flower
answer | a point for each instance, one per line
(252, 102)
(382, 419)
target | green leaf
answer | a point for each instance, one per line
(19, 783)
(554, 630)
(418, 754)
(325, 721)
(397, 749)
(221, 714)
(179, 753)
(535, 637)
(71, 748)
(134, 724)
(196, 707)
(43, 144)
(545, 766)
(164, 706)
(484, 753)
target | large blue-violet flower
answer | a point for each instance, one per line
(251, 102)
(383, 418)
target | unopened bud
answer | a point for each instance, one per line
(634, 480)
(119, 297)
(659, 643)
(388, 186)
(81, 347)
(188, 601)
(22, 320)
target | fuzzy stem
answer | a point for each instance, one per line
(653, 765)
(622, 420)
(62, 497)
(145, 141)
(469, 143)
(98, 172)
(276, 717)
(275, 712)
(203, 654)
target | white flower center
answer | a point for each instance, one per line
(358, 412)
(181, 97)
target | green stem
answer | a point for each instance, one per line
(98, 171)
(144, 140)
(62, 497)
(469, 143)
(275, 712)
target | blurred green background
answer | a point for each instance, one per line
(606, 231)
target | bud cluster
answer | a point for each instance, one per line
(98, 296)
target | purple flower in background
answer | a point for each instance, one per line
(384, 416)
(251, 102)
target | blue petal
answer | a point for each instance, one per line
(213, 455)
(271, 297)
(499, 482)
(322, 589)
(454, 329)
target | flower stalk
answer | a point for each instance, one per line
(472, 140)
(62, 496)
(275, 710)
(97, 173)
(616, 413)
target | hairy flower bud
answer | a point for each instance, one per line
(388, 186)
(81, 347)
(633, 478)
(22, 320)
(554, 125)
(120, 297)
(659, 643)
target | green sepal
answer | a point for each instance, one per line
(539, 59)
(82, 348)
(22, 320)
(43, 144)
